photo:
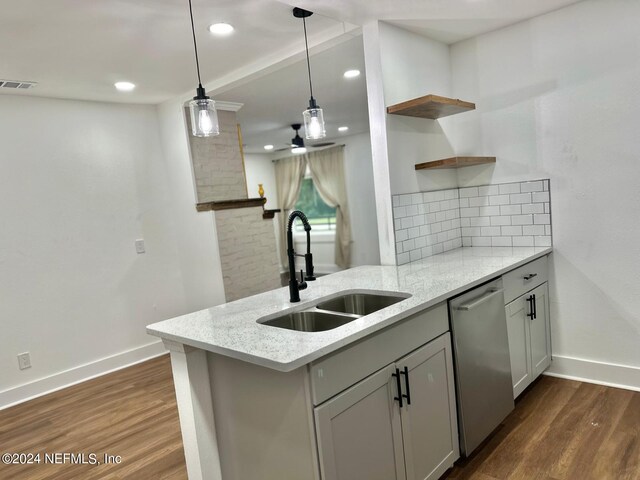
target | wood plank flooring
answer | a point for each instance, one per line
(560, 430)
(131, 413)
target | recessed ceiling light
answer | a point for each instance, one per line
(297, 150)
(343, 129)
(221, 28)
(352, 73)
(125, 86)
(268, 147)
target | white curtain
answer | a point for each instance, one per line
(327, 172)
(289, 174)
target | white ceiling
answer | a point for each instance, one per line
(78, 49)
(274, 101)
(448, 21)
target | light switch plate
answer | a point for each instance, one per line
(140, 245)
(24, 361)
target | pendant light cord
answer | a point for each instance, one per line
(306, 45)
(195, 45)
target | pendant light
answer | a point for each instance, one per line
(312, 116)
(204, 118)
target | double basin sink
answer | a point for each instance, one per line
(334, 312)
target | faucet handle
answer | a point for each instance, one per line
(302, 284)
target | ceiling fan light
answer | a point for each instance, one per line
(298, 150)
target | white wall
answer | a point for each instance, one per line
(259, 169)
(558, 97)
(414, 66)
(79, 182)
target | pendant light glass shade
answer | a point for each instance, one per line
(204, 118)
(314, 123)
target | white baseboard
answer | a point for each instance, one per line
(82, 373)
(591, 371)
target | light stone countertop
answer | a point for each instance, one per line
(232, 329)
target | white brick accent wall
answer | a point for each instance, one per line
(503, 215)
(248, 253)
(217, 162)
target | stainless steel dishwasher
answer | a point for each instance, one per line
(482, 365)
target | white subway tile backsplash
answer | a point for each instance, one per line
(501, 242)
(540, 197)
(533, 208)
(499, 200)
(542, 219)
(479, 201)
(489, 211)
(468, 192)
(488, 190)
(510, 210)
(522, 220)
(512, 214)
(522, 241)
(520, 198)
(533, 230)
(531, 187)
(509, 188)
(500, 220)
(412, 210)
(489, 231)
(480, 221)
(511, 231)
(469, 212)
(544, 241)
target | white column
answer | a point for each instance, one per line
(195, 407)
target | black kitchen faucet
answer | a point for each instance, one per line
(294, 285)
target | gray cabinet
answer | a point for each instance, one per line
(365, 433)
(529, 336)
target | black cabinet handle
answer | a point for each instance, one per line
(405, 372)
(535, 306)
(530, 276)
(531, 313)
(399, 387)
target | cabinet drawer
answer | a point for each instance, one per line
(519, 281)
(338, 371)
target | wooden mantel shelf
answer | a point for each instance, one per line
(229, 204)
(431, 106)
(270, 213)
(455, 162)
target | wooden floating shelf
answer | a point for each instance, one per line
(455, 162)
(270, 213)
(229, 204)
(431, 106)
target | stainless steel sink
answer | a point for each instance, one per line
(310, 321)
(360, 303)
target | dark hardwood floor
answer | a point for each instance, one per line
(131, 413)
(560, 430)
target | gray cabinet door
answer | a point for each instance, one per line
(429, 422)
(529, 338)
(359, 433)
(519, 343)
(540, 332)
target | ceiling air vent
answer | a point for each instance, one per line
(17, 85)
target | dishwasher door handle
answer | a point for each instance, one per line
(480, 301)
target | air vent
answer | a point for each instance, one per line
(17, 85)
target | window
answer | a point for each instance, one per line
(320, 215)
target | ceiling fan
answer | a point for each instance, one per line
(298, 142)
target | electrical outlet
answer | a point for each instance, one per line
(140, 246)
(24, 361)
